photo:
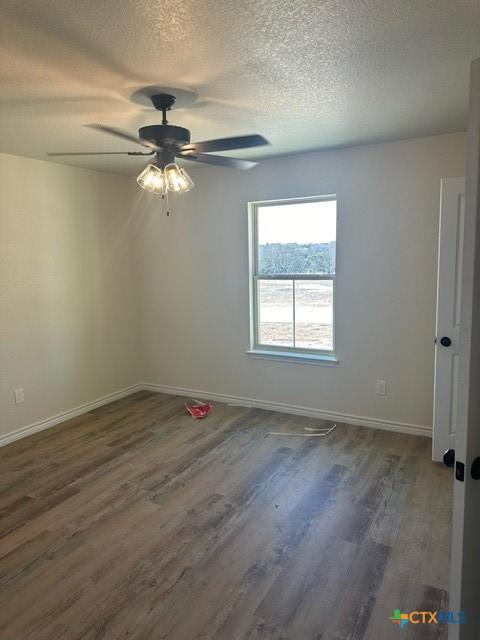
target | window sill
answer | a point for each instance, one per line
(298, 358)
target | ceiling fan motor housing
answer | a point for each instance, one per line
(165, 135)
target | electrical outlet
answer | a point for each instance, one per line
(19, 396)
(381, 388)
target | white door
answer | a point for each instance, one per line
(449, 283)
(465, 566)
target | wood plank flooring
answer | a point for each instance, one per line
(135, 521)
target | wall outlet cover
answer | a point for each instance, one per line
(381, 387)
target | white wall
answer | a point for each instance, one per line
(193, 273)
(68, 312)
(99, 290)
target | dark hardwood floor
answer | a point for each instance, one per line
(135, 521)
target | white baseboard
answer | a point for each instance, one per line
(361, 421)
(67, 415)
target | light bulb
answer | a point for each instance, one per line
(152, 179)
(177, 179)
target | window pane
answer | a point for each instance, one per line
(314, 314)
(275, 312)
(297, 238)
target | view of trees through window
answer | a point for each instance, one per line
(297, 239)
(291, 257)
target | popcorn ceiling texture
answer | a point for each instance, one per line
(306, 74)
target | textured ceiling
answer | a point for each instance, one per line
(307, 74)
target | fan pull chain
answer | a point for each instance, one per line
(165, 200)
(168, 210)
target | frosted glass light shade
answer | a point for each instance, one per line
(152, 179)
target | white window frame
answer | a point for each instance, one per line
(299, 354)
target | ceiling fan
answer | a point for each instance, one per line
(167, 142)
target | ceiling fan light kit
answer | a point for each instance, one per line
(156, 179)
(168, 142)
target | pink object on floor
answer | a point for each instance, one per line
(198, 409)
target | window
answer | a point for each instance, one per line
(293, 276)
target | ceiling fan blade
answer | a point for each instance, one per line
(221, 161)
(227, 144)
(103, 153)
(124, 135)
